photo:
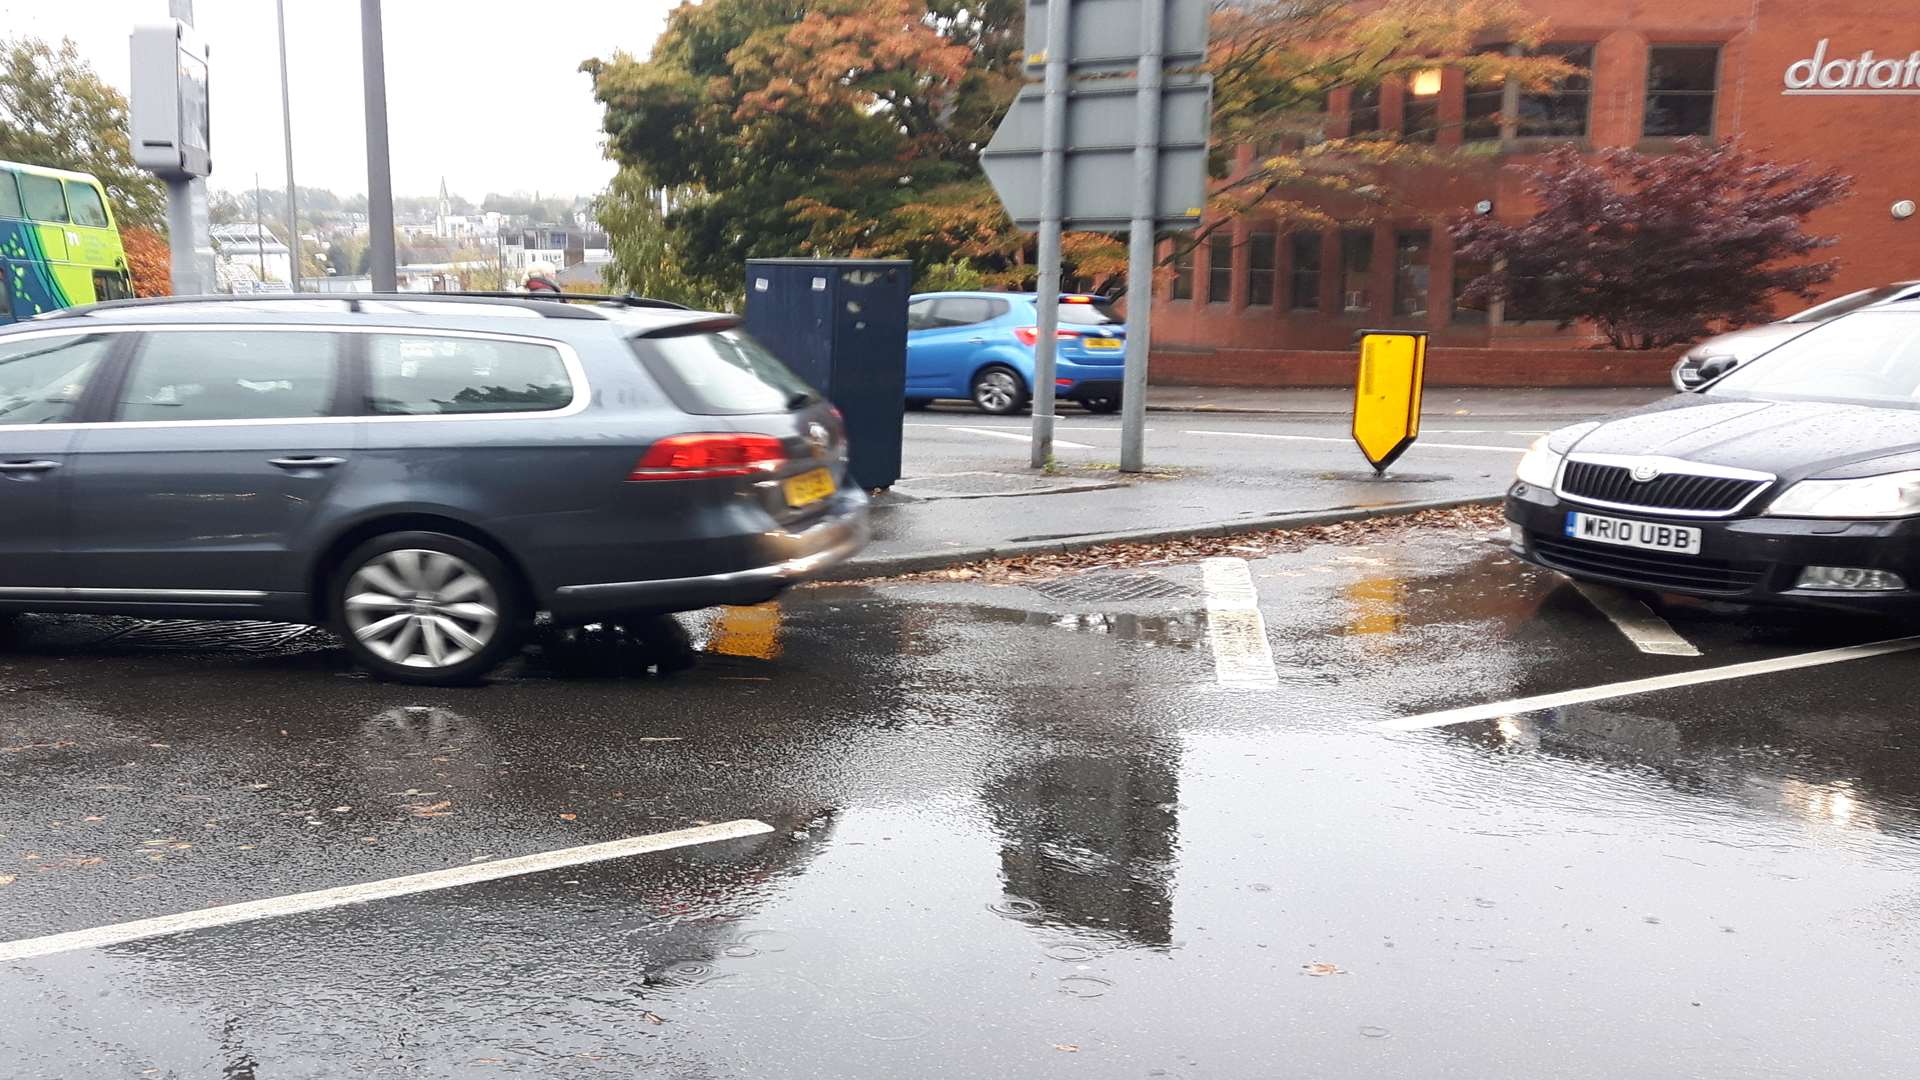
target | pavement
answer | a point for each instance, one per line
(1392, 808)
(1267, 459)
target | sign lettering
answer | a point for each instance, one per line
(1863, 75)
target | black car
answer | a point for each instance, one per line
(1792, 480)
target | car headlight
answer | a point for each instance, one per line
(1540, 466)
(1890, 496)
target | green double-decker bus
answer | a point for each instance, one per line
(59, 245)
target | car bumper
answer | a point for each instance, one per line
(1753, 560)
(1086, 389)
(791, 556)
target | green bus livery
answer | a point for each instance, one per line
(59, 245)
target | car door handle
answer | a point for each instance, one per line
(28, 466)
(976, 341)
(306, 462)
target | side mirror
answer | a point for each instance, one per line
(1715, 366)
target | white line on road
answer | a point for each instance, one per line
(1473, 713)
(1235, 630)
(1332, 439)
(1648, 631)
(1016, 436)
(228, 914)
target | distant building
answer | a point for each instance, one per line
(244, 244)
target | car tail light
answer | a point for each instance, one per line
(1030, 335)
(706, 455)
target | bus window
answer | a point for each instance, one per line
(111, 285)
(9, 197)
(85, 203)
(43, 198)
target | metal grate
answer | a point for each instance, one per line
(1668, 491)
(1651, 569)
(1109, 588)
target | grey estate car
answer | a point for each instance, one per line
(421, 472)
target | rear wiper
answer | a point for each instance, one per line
(800, 400)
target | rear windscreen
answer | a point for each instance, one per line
(1088, 314)
(722, 374)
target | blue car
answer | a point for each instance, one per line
(979, 346)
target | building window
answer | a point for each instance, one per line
(1219, 268)
(1420, 111)
(1356, 270)
(1303, 283)
(1680, 86)
(1260, 269)
(1561, 112)
(1412, 260)
(1363, 110)
(1183, 273)
(1469, 312)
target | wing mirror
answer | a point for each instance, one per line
(1715, 366)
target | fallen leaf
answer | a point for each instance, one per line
(438, 809)
(8, 879)
(1069, 1048)
(1321, 967)
(488, 1061)
(342, 809)
(652, 1017)
(94, 817)
(567, 817)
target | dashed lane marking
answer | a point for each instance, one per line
(1473, 713)
(1235, 628)
(1648, 631)
(229, 914)
(1016, 436)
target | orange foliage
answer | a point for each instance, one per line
(149, 260)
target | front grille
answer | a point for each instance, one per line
(1668, 491)
(1653, 569)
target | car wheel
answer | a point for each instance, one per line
(999, 390)
(915, 404)
(1100, 404)
(428, 609)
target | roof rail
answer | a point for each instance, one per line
(551, 305)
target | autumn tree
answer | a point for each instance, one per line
(55, 111)
(148, 260)
(1656, 249)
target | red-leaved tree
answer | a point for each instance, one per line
(1655, 249)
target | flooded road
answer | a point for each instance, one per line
(1016, 830)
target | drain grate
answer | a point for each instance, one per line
(193, 636)
(1108, 588)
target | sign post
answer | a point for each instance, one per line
(1386, 394)
(1055, 158)
(167, 118)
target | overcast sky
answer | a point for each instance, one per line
(484, 92)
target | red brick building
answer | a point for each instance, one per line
(1836, 82)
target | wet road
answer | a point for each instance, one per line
(1019, 830)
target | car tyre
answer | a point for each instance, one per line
(428, 609)
(1100, 404)
(999, 390)
(915, 404)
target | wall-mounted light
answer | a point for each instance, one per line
(1426, 83)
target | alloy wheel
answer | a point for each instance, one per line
(996, 391)
(420, 608)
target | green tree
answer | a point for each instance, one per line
(646, 258)
(55, 111)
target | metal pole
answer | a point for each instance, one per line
(259, 233)
(373, 67)
(191, 253)
(1140, 235)
(286, 131)
(1053, 176)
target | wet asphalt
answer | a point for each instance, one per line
(1019, 831)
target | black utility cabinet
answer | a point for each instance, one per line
(841, 324)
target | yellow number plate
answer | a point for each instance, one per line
(1104, 343)
(809, 487)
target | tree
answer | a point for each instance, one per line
(346, 254)
(1656, 249)
(646, 261)
(149, 260)
(55, 111)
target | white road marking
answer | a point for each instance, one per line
(1016, 436)
(1235, 629)
(275, 907)
(1648, 631)
(1333, 439)
(1473, 713)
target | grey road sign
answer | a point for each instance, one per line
(1106, 34)
(1102, 117)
